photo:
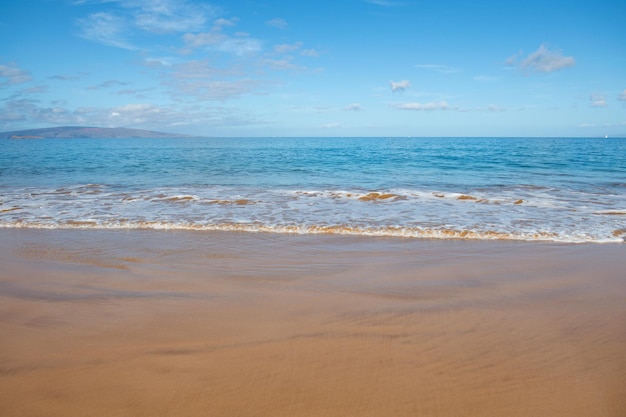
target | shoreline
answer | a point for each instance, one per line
(146, 322)
(356, 232)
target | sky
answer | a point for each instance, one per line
(316, 68)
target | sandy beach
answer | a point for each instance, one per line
(158, 323)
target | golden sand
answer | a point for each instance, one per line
(142, 323)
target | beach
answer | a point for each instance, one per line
(196, 323)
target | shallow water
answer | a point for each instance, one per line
(554, 189)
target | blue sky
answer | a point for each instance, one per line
(322, 68)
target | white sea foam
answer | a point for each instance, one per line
(488, 214)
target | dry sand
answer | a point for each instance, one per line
(155, 323)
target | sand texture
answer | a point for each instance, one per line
(156, 323)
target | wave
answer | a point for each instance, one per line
(618, 236)
(498, 213)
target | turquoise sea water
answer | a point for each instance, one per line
(555, 189)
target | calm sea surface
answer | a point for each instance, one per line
(565, 189)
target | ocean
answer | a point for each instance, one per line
(533, 189)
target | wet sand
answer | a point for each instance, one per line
(156, 323)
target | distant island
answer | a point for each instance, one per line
(86, 132)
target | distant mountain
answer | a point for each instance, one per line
(85, 132)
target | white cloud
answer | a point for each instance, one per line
(622, 95)
(333, 125)
(433, 105)
(597, 100)
(277, 23)
(11, 74)
(543, 60)
(399, 85)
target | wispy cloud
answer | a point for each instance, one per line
(332, 125)
(433, 105)
(63, 77)
(107, 84)
(143, 115)
(491, 108)
(201, 56)
(495, 108)
(239, 44)
(443, 105)
(138, 93)
(30, 111)
(443, 69)
(353, 107)
(397, 86)
(277, 23)
(11, 74)
(287, 53)
(287, 48)
(105, 28)
(199, 69)
(622, 95)
(310, 53)
(196, 40)
(485, 78)
(221, 22)
(160, 61)
(542, 60)
(281, 64)
(35, 89)
(170, 15)
(155, 16)
(13, 110)
(384, 3)
(603, 126)
(597, 100)
(152, 116)
(197, 79)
